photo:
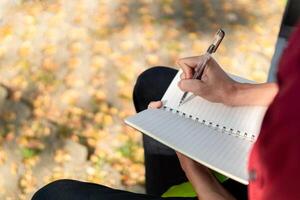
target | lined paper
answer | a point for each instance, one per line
(219, 142)
(245, 119)
(212, 148)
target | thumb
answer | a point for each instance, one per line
(190, 85)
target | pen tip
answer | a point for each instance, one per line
(179, 104)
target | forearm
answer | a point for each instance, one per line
(211, 189)
(244, 94)
(204, 182)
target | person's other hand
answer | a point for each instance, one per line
(204, 182)
(155, 104)
(215, 85)
(193, 169)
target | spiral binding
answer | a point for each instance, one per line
(222, 129)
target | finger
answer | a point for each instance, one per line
(155, 104)
(190, 61)
(182, 76)
(204, 77)
(179, 154)
(191, 85)
(188, 64)
(186, 68)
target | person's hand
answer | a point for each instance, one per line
(206, 185)
(155, 104)
(215, 85)
(193, 169)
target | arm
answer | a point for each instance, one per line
(246, 94)
(204, 182)
(217, 86)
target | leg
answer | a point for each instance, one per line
(161, 163)
(76, 190)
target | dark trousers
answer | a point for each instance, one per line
(76, 190)
(161, 163)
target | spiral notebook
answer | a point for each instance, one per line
(215, 135)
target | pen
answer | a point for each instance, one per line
(201, 66)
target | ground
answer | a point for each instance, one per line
(67, 69)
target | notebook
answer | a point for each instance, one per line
(213, 134)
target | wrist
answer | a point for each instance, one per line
(211, 190)
(232, 94)
(247, 94)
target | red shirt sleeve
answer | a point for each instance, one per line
(274, 164)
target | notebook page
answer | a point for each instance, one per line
(244, 121)
(208, 146)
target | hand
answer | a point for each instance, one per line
(155, 104)
(193, 169)
(215, 85)
(206, 185)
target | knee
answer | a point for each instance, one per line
(52, 190)
(149, 76)
(151, 86)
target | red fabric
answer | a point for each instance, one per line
(275, 157)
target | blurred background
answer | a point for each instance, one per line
(67, 70)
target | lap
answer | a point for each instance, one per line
(77, 190)
(161, 164)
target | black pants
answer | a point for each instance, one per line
(162, 166)
(76, 190)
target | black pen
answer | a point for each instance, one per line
(201, 66)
